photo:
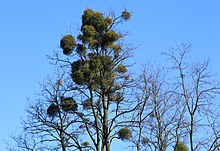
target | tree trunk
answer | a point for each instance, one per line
(191, 132)
(105, 141)
(98, 133)
(106, 144)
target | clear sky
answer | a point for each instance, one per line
(31, 29)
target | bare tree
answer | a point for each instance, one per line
(159, 116)
(53, 121)
(177, 105)
(198, 89)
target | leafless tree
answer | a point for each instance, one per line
(177, 105)
(197, 88)
(159, 116)
(53, 122)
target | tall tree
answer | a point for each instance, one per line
(100, 76)
(95, 107)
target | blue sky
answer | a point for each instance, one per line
(30, 30)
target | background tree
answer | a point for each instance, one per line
(160, 114)
(198, 89)
(173, 111)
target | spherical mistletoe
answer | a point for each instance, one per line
(126, 15)
(124, 134)
(80, 72)
(95, 19)
(180, 146)
(52, 110)
(67, 43)
(109, 20)
(68, 104)
(121, 68)
(109, 38)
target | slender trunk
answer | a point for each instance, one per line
(105, 141)
(140, 130)
(98, 133)
(62, 121)
(106, 144)
(160, 137)
(62, 134)
(191, 132)
(159, 122)
(139, 138)
(63, 142)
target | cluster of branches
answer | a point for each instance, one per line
(94, 99)
(177, 105)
